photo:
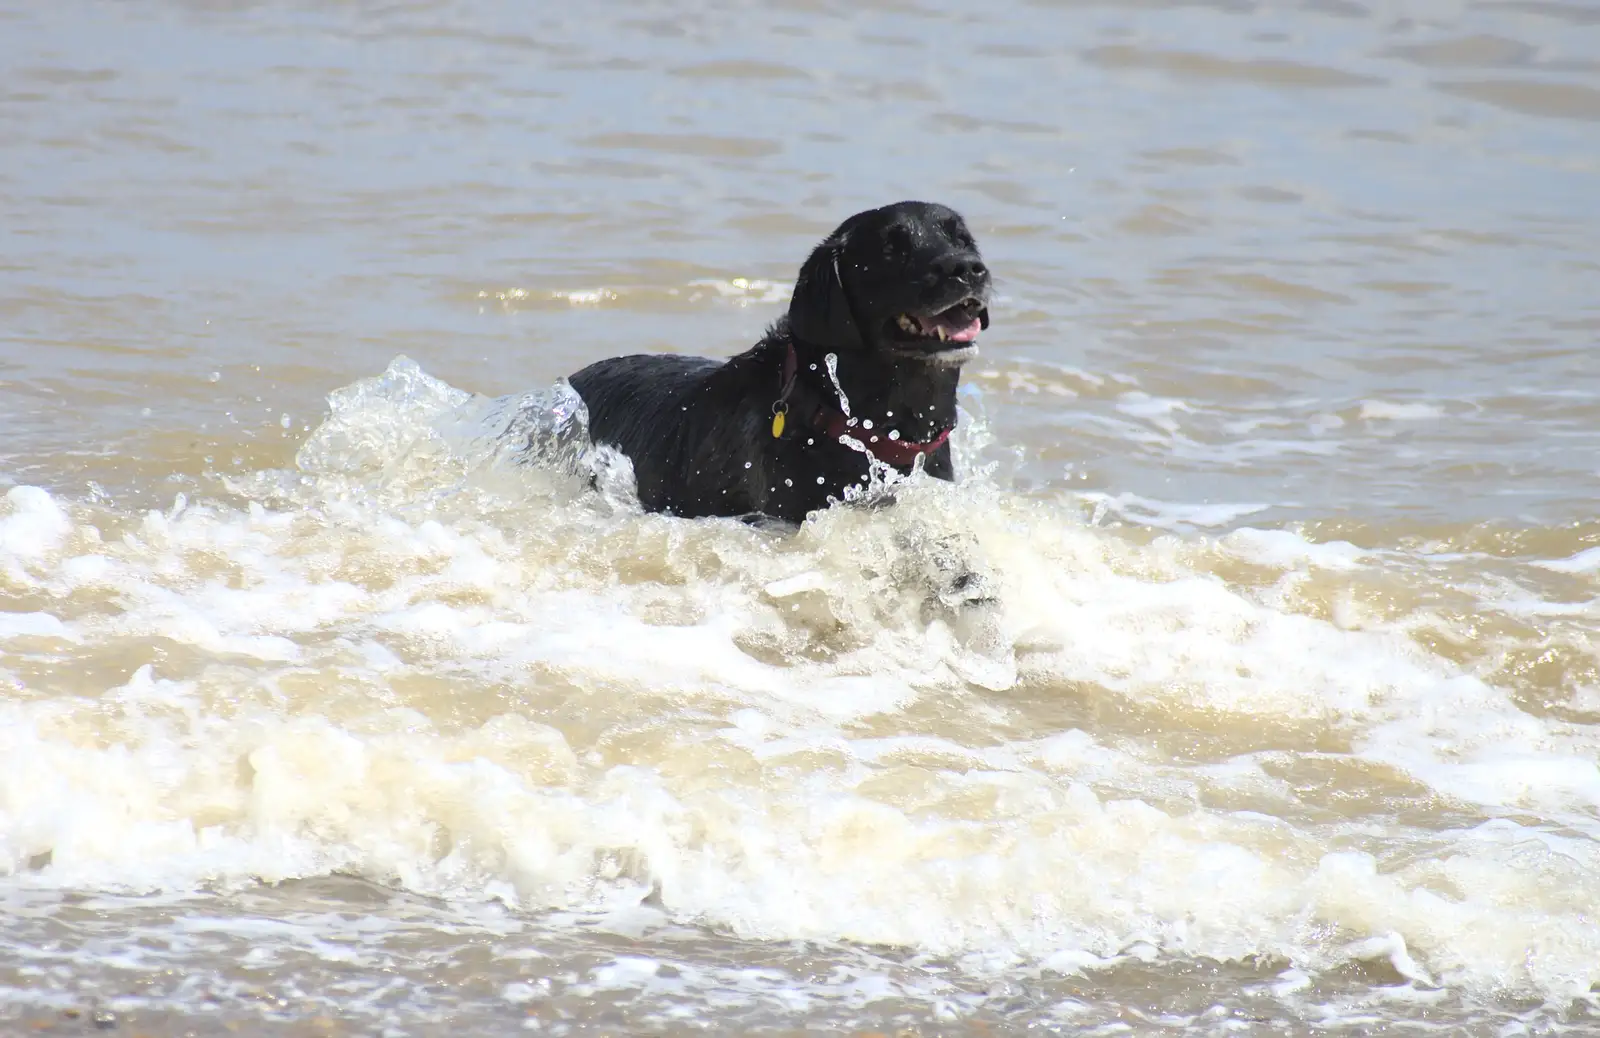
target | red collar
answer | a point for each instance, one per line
(836, 425)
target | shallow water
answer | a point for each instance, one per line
(325, 711)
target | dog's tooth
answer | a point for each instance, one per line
(943, 335)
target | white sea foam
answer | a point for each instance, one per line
(1586, 561)
(1397, 411)
(1170, 515)
(423, 659)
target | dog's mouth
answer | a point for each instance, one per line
(955, 327)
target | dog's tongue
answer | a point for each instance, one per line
(955, 329)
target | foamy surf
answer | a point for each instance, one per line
(448, 654)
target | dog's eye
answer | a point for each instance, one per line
(896, 239)
(958, 234)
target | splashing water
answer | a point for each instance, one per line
(434, 657)
(881, 476)
(831, 361)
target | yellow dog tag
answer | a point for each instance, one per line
(777, 422)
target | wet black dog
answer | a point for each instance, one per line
(866, 362)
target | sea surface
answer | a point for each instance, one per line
(343, 691)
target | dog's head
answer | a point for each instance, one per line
(905, 279)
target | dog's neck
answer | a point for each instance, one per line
(916, 397)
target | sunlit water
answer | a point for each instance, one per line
(343, 688)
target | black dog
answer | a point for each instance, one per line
(865, 363)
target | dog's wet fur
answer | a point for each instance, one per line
(895, 295)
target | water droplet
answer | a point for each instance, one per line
(832, 360)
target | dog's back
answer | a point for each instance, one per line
(646, 406)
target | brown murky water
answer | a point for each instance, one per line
(321, 714)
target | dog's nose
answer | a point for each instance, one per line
(963, 265)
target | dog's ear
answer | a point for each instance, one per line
(820, 311)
